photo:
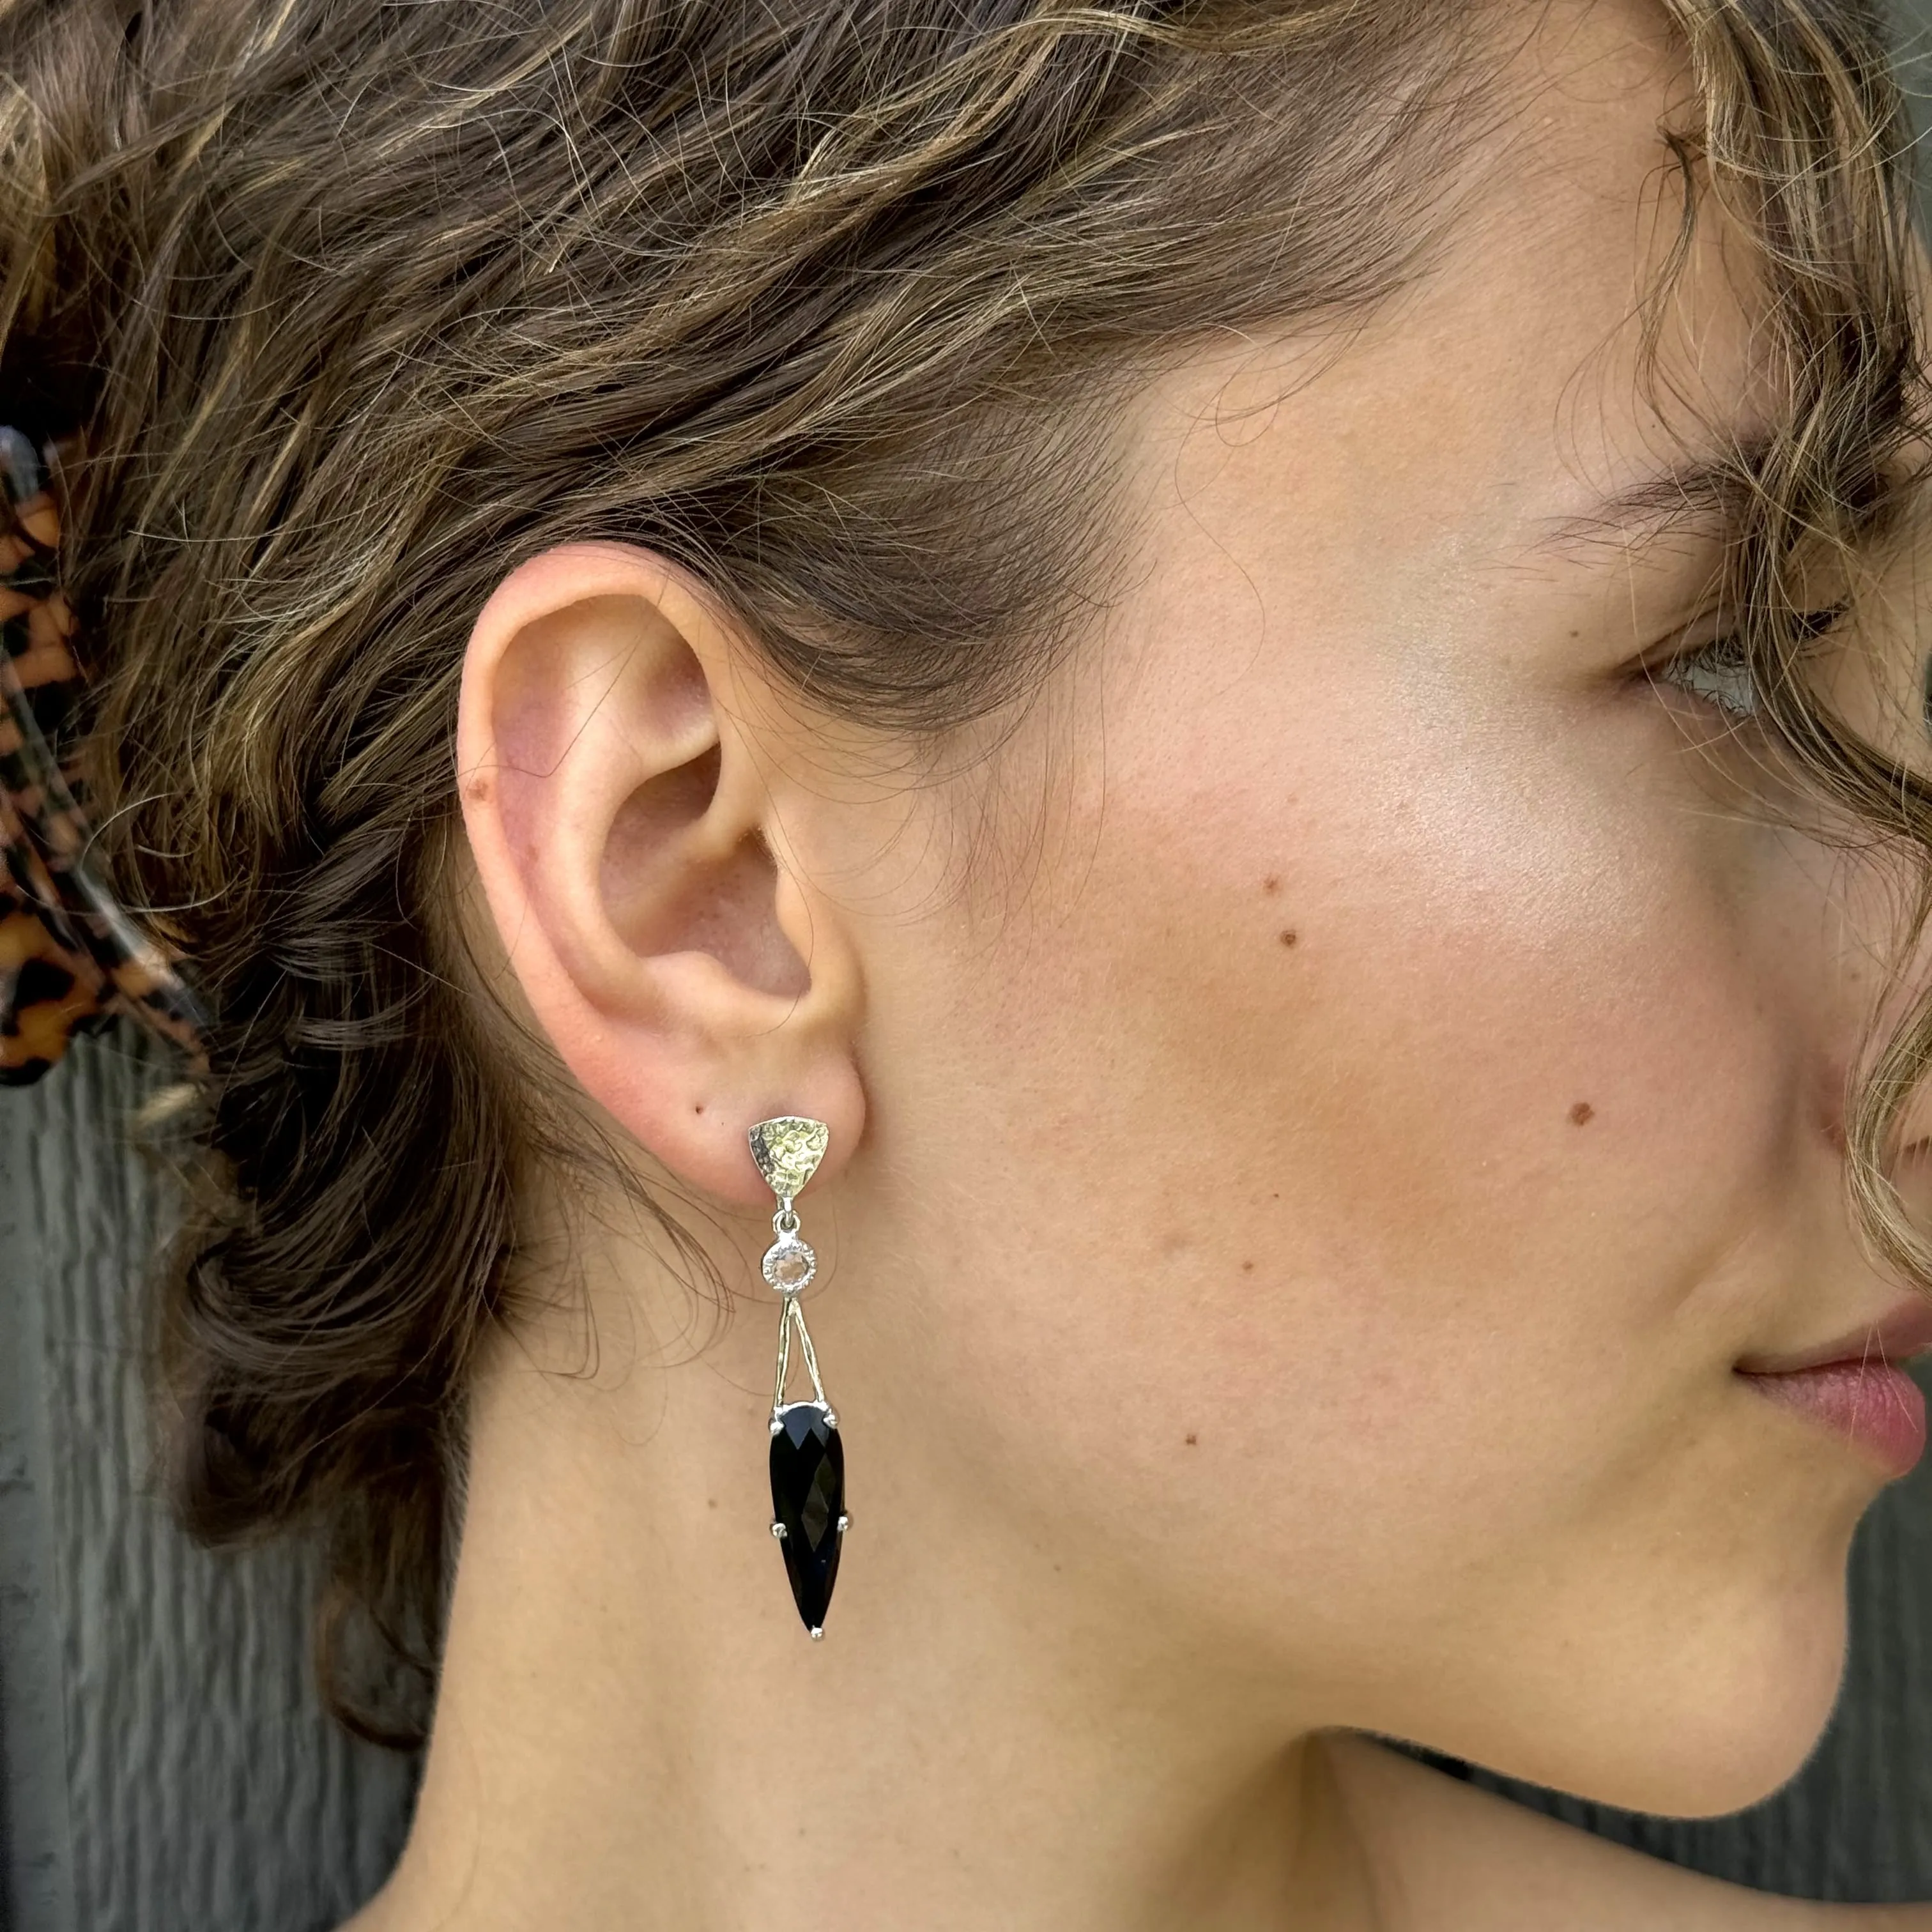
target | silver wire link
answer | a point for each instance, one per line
(792, 1312)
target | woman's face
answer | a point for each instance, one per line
(1379, 1079)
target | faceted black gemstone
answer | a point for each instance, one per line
(808, 1497)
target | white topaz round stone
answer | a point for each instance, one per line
(790, 1265)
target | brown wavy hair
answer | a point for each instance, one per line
(362, 304)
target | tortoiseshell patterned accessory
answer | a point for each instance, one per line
(70, 958)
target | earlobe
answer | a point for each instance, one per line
(622, 815)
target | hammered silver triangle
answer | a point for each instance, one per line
(788, 1150)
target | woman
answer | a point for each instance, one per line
(1209, 711)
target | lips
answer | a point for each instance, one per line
(1853, 1386)
(1905, 1332)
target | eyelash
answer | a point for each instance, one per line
(1715, 671)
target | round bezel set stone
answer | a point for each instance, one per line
(790, 1265)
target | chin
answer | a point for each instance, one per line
(1698, 1724)
(1747, 1721)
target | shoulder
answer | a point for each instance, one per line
(1447, 1857)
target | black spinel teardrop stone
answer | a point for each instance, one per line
(809, 1497)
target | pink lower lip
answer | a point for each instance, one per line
(1875, 1406)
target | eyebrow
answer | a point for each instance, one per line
(1703, 495)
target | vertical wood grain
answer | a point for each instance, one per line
(203, 1789)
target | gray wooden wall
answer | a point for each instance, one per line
(164, 1768)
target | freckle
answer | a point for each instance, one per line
(477, 790)
(1582, 1114)
(699, 1108)
(710, 1502)
(1247, 1268)
(1192, 1439)
(1271, 884)
(1289, 938)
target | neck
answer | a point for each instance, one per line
(634, 1730)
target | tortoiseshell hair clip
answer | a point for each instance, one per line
(70, 958)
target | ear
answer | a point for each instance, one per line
(624, 817)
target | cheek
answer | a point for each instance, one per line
(1402, 1006)
(1378, 1133)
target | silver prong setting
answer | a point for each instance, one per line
(779, 1530)
(818, 1634)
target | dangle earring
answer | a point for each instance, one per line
(809, 1516)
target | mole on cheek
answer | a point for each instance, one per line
(1289, 938)
(1582, 1114)
(1271, 885)
(1192, 1439)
